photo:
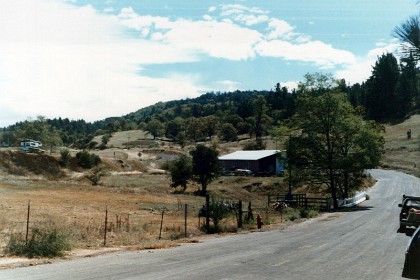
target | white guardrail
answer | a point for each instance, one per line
(350, 202)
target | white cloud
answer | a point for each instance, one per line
(212, 9)
(279, 28)
(290, 84)
(216, 39)
(231, 9)
(323, 55)
(244, 15)
(219, 39)
(132, 20)
(207, 17)
(250, 20)
(227, 86)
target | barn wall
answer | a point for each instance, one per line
(231, 165)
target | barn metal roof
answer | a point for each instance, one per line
(249, 155)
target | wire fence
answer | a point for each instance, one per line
(107, 226)
(89, 225)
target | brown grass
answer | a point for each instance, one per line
(133, 197)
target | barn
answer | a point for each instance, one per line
(263, 162)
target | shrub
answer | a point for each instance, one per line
(65, 158)
(309, 213)
(87, 160)
(102, 146)
(96, 174)
(105, 139)
(92, 145)
(292, 214)
(252, 146)
(219, 210)
(43, 243)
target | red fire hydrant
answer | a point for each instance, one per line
(259, 222)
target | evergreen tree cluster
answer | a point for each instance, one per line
(391, 92)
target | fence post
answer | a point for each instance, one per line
(161, 224)
(106, 224)
(27, 222)
(240, 214)
(185, 216)
(207, 213)
(128, 222)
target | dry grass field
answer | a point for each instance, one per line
(133, 195)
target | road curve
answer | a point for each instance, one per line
(359, 244)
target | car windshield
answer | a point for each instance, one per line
(413, 203)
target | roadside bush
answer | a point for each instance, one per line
(298, 213)
(309, 213)
(87, 160)
(219, 210)
(43, 243)
(292, 214)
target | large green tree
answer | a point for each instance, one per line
(228, 133)
(206, 166)
(382, 88)
(173, 127)
(154, 127)
(408, 87)
(334, 141)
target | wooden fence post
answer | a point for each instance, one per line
(185, 216)
(161, 224)
(27, 222)
(207, 213)
(128, 222)
(240, 214)
(106, 224)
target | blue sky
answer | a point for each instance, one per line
(86, 59)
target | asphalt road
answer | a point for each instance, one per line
(360, 244)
